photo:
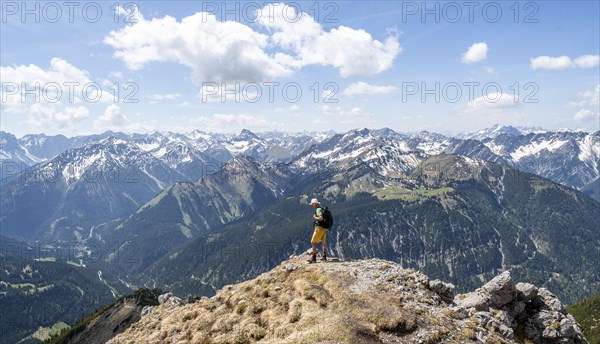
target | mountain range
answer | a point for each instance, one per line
(84, 189)
(193, 212)
(565, 156)
(454, 218)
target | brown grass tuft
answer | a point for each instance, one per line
(295, 311)
(452, 313)
(467, 333)
(241, 307)
(190, 315)
(432, 338)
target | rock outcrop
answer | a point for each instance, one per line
(522, 311)
(364, 301)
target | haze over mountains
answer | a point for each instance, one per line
(193, 212)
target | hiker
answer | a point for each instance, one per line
(319, 233)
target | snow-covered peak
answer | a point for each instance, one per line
(493, 132)
(246, 135)
(113, 140)
(198, 134)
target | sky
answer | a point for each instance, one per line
(77, 68)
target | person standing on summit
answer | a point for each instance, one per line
(319, 233)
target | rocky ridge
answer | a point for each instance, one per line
(113, 319)
(363, 301)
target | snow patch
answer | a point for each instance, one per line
(589, 150)
(535, 148)
(146, 147)
(160, 184)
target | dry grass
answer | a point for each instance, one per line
(472, 323)
(451, 313)
(432, 338)
(306, 305)
(494, 340)
(467, 333)
(295, 311)
(241, 307)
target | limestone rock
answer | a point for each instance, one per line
(476, 299)
(444, 290)
(527, 292)
(550, 333)
(146, 310)
(551, 301)
(566, 328)
(164, 297)
(501, 290)
(170, 299)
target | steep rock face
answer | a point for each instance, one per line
(112, 320)
(365, 301)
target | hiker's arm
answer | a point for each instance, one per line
(318, 217)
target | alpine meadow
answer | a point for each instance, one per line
(300, 172)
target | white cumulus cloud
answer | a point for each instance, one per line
(585, 115)
(72, 113)
(365, 88)
(587, 61)
(217, 51)
(50, 116)
(112, 118)
(587, 107)
(564, 62)
(61, 83)
(493, 101)
(477, 52)
(54, 98)
(213, 50)
(352, 51)
(588, 98)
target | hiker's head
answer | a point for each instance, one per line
(314, 202)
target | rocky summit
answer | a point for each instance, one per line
(362, 301)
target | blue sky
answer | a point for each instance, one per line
(438, 66)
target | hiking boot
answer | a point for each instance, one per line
(324, 257)
(313, 259)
